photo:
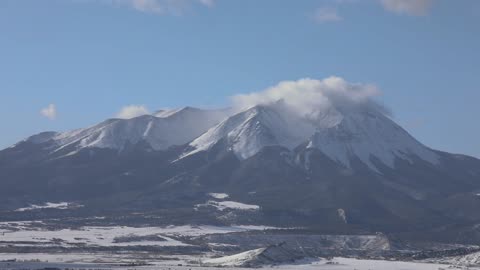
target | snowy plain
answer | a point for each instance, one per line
(25, 232)
(30, 234)
(49, 205)
(322, 264)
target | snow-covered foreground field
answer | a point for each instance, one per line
(350, 264)
(334, 264)
(89, 247)
(25, 233)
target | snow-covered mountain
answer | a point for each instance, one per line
(344, 168)
(343, 136)
(160, 131)
(368, 136)
(249, 131)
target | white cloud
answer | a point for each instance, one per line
(326, 14)
(146, 5)
(49, 112)
(310, 97)
(208, 3)
(410, 7)
(175, 7)
(132, 111)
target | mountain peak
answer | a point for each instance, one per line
(341, 136)
(249, 131)
(369, 135)
(41, 137)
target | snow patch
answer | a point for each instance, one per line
(342, 215)
(50, 205)
(219, 196)
(223, 205)
(235, 260)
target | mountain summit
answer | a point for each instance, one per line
(368, 136)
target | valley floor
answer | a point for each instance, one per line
(323, 264)
(54, 245)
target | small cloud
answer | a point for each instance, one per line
(326, 14)
(175, 7)
(409, 7)
(49, 112)
(152, 6)
(132, 111)
(208, 3)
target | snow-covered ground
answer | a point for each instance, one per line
(229, 205)
(49, 205)
(221, 205)
(19, 233)
(469, 260)
(98, 258)
(264, 256)
(351, 264)
(60, 261)
(221, 196)
(234, 260)
(33, 233)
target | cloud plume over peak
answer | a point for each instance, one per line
(310, 97)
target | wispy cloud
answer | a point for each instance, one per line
(175, 7)
(208, 3)
(401, 7)
(326, 14)
(409, 7)
(49, 112)
(132, 111)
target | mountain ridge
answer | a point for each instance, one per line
(341, 136)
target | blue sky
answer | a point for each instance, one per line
(90, 58)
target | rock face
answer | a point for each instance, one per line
(343, 171)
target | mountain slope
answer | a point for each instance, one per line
(368, 136)
(159, 131)
(249, 131)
